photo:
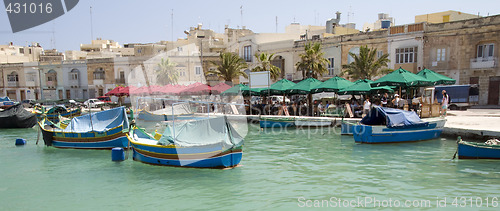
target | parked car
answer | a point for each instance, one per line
(104, 99)
(74, 103)
(93, 103)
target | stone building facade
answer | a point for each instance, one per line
(101, 76)
(468, 52)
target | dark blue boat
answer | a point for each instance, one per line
(388, 125)
(474, 150)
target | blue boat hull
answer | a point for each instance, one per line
(382, 134)
(276, 123)
(146, 149)
(91, 140)
(468, 150)
(90, 144)
(228, 159)
(346, 128)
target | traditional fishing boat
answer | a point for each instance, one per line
(55, 112)
(474, 150)
(16, 117)
(204, 143)
(179, 111)
(100, 130)
(5, 102)
(276, 122)
(388, 125)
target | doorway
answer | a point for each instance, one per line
(493, 90)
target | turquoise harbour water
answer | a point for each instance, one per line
(281, 170)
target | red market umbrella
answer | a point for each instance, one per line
(197, 89)
(113, 92)
(219, 88)
(142, 90)
(123, 91)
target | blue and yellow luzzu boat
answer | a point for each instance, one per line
(201, 143)
(57, 111)
(100, 130)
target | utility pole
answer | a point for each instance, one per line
(201, 55)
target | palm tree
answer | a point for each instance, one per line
(166, 72)
(229, 67)
(313, 63)
(265, 65)
(365, 65)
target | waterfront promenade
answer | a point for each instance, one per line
(478, 124)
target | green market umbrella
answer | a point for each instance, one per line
(235, 90)
(278, 88)
(382, 89)
(243, 89)
(360, 87)
(254, 91)
(303, 87)
(364, 87)
(436, 78)
(402, 78)
(332, 85)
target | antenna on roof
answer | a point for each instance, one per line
(172, 32)
(241, 11)
(91, 28)
(276, 24)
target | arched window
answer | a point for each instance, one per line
(99, 74)
(74, 75)
(51, 75)
(13, 77)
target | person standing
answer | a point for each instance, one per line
(321, 110)
(384, 99)
(444, 103)
(367, 106)
(395, 101)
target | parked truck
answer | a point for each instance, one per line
(461, 96)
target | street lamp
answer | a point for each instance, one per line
(40, 81)
(201, 55)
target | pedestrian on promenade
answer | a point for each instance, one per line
(384, 99)
(367, 106)
(321, 109)
(395, 101)
(444, 103)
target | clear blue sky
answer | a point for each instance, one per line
(147, 21)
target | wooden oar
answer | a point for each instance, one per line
(456, 152)
(38, 135)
